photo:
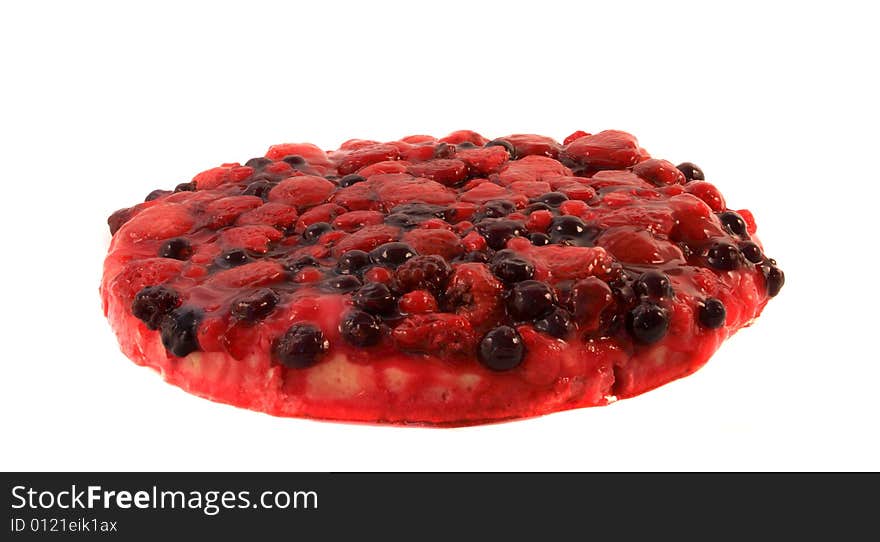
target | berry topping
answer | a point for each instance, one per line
(294, 160)
(571, 230)
(185, 187)
(723, 256)
(774, 278)
(300, 347)
(353, 262)
(152, 304)
(498, 231)
(557, 323)
(648, 323)
(733, 223)
(691, 171)
(507, 145)
(539, 239)
(179, 329)
(258, 163)
(552, 199)
(350, 179)
(392, 254)
(530, 299)
(423, 273)
(255, 305)
(501, 349)
(375, 298)
(361, 328)
(298, 262)
(341, 284)
(177, 248)
(260, 188)
(712, 313)
(653, 284)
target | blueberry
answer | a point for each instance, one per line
(553, 199)
(444, 150)
(465, 145)
(254, 305)
(341, 284)
(691, 171)
(557, 323)
(350, 179)
(476, 256)
(375, 298)
(259, 188)
(185, 187)
(752, 252)
(537, 206)
(530, 299)
(571, 230)
(177, 248)
(300, 346)
(723, 256)
(501, 349)
(361, 328)
(294, 160)
(648, 323)
(539, 239)
(152, 303)
(233, 258)
(712, 313)
(392, 254)
(498, 208)
(156, 194)
(733, 223)
(352, 262)
(258, 163)
(653, 284)
(118, 219)
(314, 231)
(512, 269)
(179, 329)
(774, 278)
(498, 231)
(296, 263)
(508, 146)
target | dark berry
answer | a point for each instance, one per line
(712, 313)
(179, 329)
(537, 206)
(501, 349)
(118, 219)
(233, 258)
(557, 324)
(465, 145)
(774, 279)
(653, 284)
(752, 252)
(352, 262)
(294, 160)
(258, 163)
(350, 179)
(300, 346)
(360, 328)
(177, 248)
(375, 298)
(296, 263)
(342, 284)
(444, 150)
(691, 171)
(185, 187)
(403, 221)
(723, 256)
(152, 304)
(512, 269)
(314, 231)
(498, 208)
(539, 239)
(530, 299)
(733, 223)
(648, 323)
(156, 194)
(508, 146)
(476, 256)
(497, 232)
(572, 230)
(553, 199)
(392, 254)
(255, 305)
(259, 188)
(423, 273)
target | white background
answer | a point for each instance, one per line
(103, 102)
